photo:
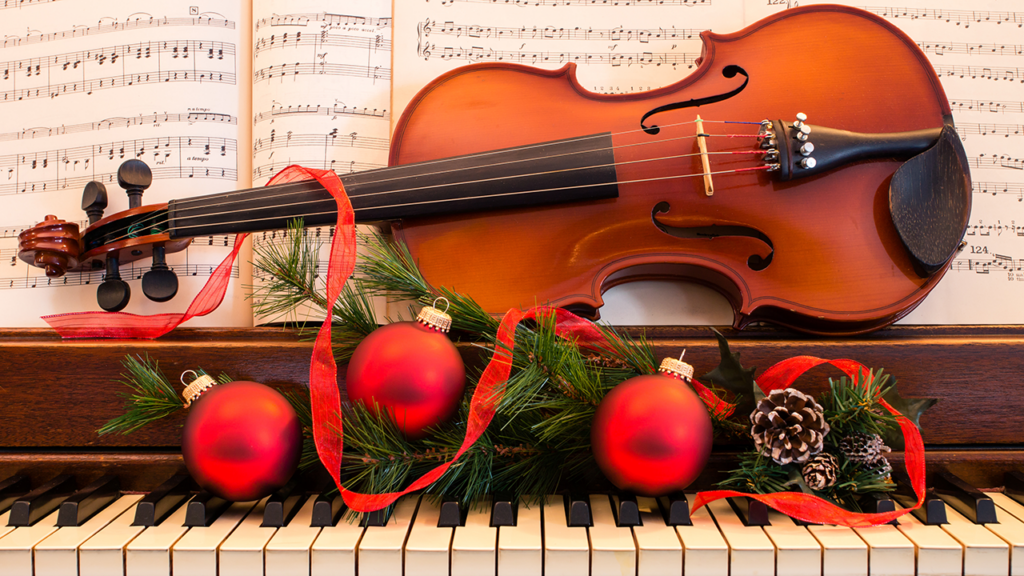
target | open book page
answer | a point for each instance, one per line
(631, 45)
(85, 86)
(321, 97)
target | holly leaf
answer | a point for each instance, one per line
(732, 376)
(912, 408)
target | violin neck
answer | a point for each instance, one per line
(570, 170)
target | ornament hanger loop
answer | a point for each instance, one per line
(194, 376)
(195, 388)
(447, 304)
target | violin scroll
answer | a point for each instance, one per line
(53, 244)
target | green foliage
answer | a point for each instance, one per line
(852, 406)
(912, 408)
(730, 375)
(151, 399)
(757, 474)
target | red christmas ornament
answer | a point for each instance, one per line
(411, 371)
(652, 434)
(242, 440)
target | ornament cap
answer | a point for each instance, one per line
(435, 318)
(676, 367)
(195, 389)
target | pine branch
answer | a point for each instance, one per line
(153, 397)
(854, 407)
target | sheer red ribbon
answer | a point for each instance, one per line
(810, 508)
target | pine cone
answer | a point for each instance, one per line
(789, 426)
(863, 448)
(821, 471)
(881, 467)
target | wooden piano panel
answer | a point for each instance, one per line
(56, 393)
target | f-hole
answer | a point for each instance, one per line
(754, 262)
(729, 71)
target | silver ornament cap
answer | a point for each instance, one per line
(193, 390)
(435, 318)
(676, 367)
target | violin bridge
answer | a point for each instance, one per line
(709, 187)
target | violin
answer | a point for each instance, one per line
(808, 170)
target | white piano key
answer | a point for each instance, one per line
(705, 551)
(938, 554)
(612, 549)
(659, 551)
(751, 553)
(16, 547)
(475, 545)
(890, 553)
(520, 547)
(287, 553)
(103, 554)
(195, 554)
(380, 550)
(797, 553)
(4, 528)
(57, 554)
(844, 553)
(985, 554)
(241, 553)
(1010, 528)
(566, 549)
(334, 551)
(149, 554)
(428, 549)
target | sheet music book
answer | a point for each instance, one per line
(217, 97)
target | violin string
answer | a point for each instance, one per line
(405, 204)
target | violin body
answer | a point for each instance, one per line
(836, 263)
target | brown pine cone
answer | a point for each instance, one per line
(789, 426)
(863, 448)
(821, 471)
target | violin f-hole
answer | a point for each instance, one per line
(729, 71)
(755, 262)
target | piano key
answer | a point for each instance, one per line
(1013, 483)
(577, 510)
(520, 548)
(4, 528)
(282, 505)
(627, 512)
(659, 551)
(327, 510)
(750, 511)
(938, 554)
(195, 554)
(452, 514)
(158, 504)
(890, 553)
(612, 548)
(81, 505)
(38, 503)
(475, 543)
(566, 547)
(376, 518)
(1011, 529)
(503, 511)
(287, 553)
(970, 502)
(750, 551)
(985, 553)
(1007, 505)
(844, 553)
(428, 548)
(705, 551)
(797, 553)
(16, 547)
(676, 508)
(11, 489)
(380, 550)
(932, 512)
(241, 554)
(334, 551)
(57, 555)
(104, 553)
(149, 554)
(204, 509)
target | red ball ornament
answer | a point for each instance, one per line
(242, 440)
(411, 371)
(652, 434)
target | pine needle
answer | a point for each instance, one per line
(152, 399)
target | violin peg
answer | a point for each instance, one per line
(160, 284)
(53, 244)
(113, 294)
(94, 201)
(134, 176)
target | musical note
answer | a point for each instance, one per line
(310, 68)
(449, 28)
(1006, 73)
(962, 18)
(989, 106)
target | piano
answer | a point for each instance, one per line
(84, 504)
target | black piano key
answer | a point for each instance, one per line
(377, 517)
(627, 512)
(750, 511)
(503, 511)
(881, 502)
(158, 504)
(282, 505)
(204, 509)
(965, 499)
(577, 510)
(1014, 485)
(28, 509)
(932, 512)
(452, 514)
(83, 504)
(327, 510)
(676, 509)
(11, 489)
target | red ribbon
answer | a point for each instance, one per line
(808, 507)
